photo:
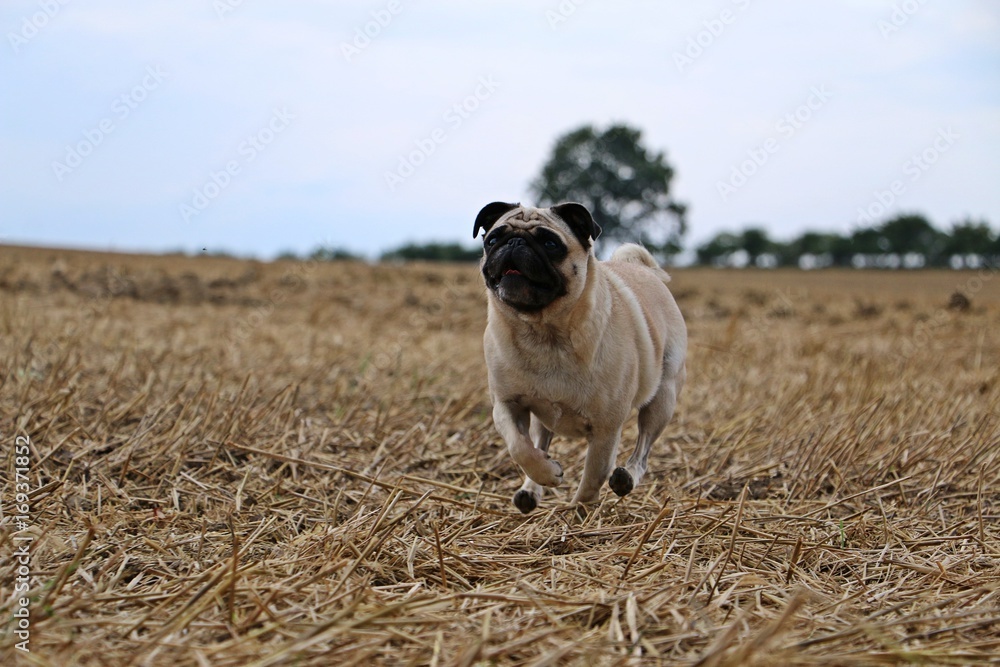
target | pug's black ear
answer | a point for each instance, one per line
(490, 214)
(579, 220)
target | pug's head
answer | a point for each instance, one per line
(535, 256)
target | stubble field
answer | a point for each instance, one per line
(240, 463)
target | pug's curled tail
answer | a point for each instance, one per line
(632, 253)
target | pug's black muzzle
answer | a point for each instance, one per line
(522, 275)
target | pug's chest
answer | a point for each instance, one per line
(560, 418)
(560, 401)
(564, 393)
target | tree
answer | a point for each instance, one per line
(329, 254)
(841, 250)
(833, 247)
(910, 233)
(432, 252)
(625, 185)
(755, 242)
(718, 249)
(816, 243)
(969, 237)
(868, 241)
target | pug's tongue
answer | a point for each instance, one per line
(512, 272)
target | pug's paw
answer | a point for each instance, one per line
(621, 481)
(548, 473)
(525, 501)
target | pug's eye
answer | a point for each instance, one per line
(492, 241)
(549, 244)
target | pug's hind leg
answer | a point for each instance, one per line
(530, 493)
(653, 418)
(601, 450)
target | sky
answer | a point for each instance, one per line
(259, 127)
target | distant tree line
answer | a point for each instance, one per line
(428, 252)
(905, 241)
(433, 252)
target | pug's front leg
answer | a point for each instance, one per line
(601, 451)
(530, 493)
(513, 423)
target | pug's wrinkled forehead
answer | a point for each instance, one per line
(571, 217)
(527, 217)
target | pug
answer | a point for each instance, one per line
(573, 345)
